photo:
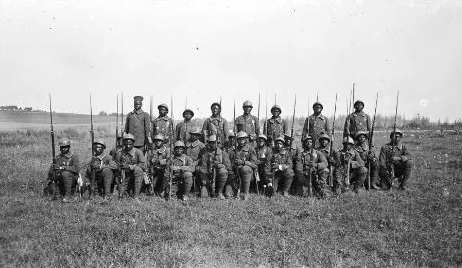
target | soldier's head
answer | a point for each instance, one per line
(348, 143)
(179, 148)
(324, 140)
(137, 102)
(128, 142)
(64, 145)
(307, 142)
(359, 105)
(231, 138)
(188, 114)
(119, 141)
(287, 139)
(98, 146)
(396, 135)
(163, 109)
(276, 110)
(247, 107)
(262, 139)
(242, 138)
(361, 137)
(212, 142)
(279, 144)
(317, 107)
(158, 140)
(216, 108)
(195, 135)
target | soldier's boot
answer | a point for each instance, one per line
(406, 174)
(204, 191)
(187, 184)
(222, 177)
(108, 178)
(139, 177)
(375, 183)
(286, 186)
(246, 177)
(67, 179)
(321, 181)
(360, 175)
(229, 192)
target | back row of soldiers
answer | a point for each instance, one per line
(229, 163)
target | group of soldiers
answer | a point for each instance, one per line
(159, 158)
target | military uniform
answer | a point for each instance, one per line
(369, 159)
(136, 163)
(66, 171)
(317, 173)
(183, 128)
(216, 126)
(249, 124)
(156, 164)
(284, 174)
(315, 126)
(103, 165)
(163, 126)
(262, 155)
(207, 159)
(243, 171)
(137, 124)
(357, 121)
(275, 126)
(357, 172)
(180, 170)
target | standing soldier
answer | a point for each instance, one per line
(137, 124)
(179, 169)
(214, 161)
(156, 164)
(395, 161)
(349, 167)
(312, 167)
(194, 148)
(163, 125)
(244, 160)
(357, 121)
(132, 164)
(182, 130)
(103, 166)
(216, 125)
(66, 170)
(316, 124)
(368, 157)
(279, 168)
(262, 151)
(248, 123)
(275, 126)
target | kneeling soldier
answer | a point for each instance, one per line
(179, 169)
(368, 157)
(100, 170)
(156, 163)
(214, 165)
(349, 168)
(312, 168)
(395, 161)
(64, 173)
(132, 164)
(279, 168)
(263, 151)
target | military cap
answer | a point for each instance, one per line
(242, 134)
(324, 136)
(348, 140)
(64, 142)
(358, 101)
(276, 107)
(262, 136)
(100, 141)
(280, 138)
(215, 103)
(307, 137)
(397, 131)
(212, 138)
(129, 136)
(318, 103)
(247, 103)
(179, 144)
(362, 132)
(231, 134)
(138, 98)
(187, 110)
(195, 131)
(162, 105)
(158, 137)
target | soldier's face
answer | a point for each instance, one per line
(317, 109)
(213, 145)
(361, 139)
(275, 112)
(98, 148)
(247, 109)
(347, 146)
(193, 138)
(232, 140)
(178, 150)
(187, 116)
(309, 143)
(163, 111)
(137, 104)
(397, 138)
(158, 143)
(279, 145)
(261, 142)
(64, 149)
(215, 110)
(324, 142)
(241, 141)
(119, 141)
(128, 145)
(359, 106)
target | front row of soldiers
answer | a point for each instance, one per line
(234, 170)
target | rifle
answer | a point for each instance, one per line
(310, 185)
(53, 153)
(353, 96)
(293, 122)
(171, 151)
(239, 182)
(122, 172)
(214, 169)
(371, 145)
(117, 120)
(257, 176)
(93, 171)
(150, 173)
(393, 141)
(331, 178)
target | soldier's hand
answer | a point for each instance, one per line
(239, 162)
(396, 159)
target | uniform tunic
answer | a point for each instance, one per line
(137, 124)
(357, 122)
(249, 124)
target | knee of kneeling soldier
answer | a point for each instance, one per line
(67, 174)
(107, 172)
(187, 175)
(362, 170)
(222, 172)
(246, 170)
(288, 173)
(137, 170)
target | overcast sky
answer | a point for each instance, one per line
(233, 49)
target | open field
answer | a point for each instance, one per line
(420, 227)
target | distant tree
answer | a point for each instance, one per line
(103, 113)
(28, 109)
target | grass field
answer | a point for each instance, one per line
(418, 228)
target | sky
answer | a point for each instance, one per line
(198, 51)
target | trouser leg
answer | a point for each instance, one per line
(67, 179)
(246, 178)
(107, 178)
(288, 176)
(138, 179)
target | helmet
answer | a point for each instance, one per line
(397, 131)
(276, 107)
(247, 103)
(158, 137)
(307, 137)
(215, 103)
(348, 140)
(187, 110)
(64, 142)
(242, 134)
(280, 138)
(362, 132)
(162, 105)
(179, 144)
(129, 136)
(212, 138)
(324, 136)
(358, 101)
(231, 134)
(261, 136)
(100, 141)
(318, 103)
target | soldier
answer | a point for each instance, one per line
(262, 151)
(66, 170)
(182, 128)
(248, 123)
(117, 148)
(179, 169)
(275, 126)
(244, 160)
(156, 164)
(214, 161)
(163, 125)
(316, 124)
(368, 157)
(103, 166)
(296, 188)
(231, 144)
(349, 167)
(357, 121)
(324, 148)
(279, 168)
(113, 153)
(137, 124)
(132, 163)
(312, 165)
(216, 125)
(394, 156)
(194, 148)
